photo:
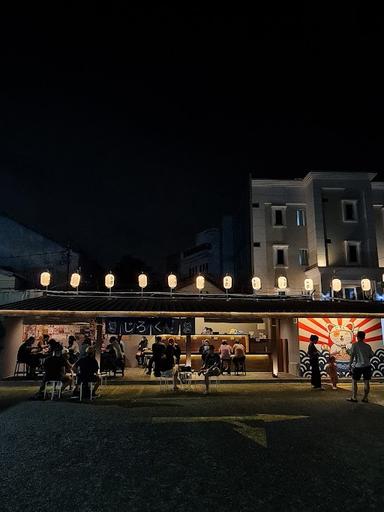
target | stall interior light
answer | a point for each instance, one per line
(75, 280)
(282, 283)
(109, 280)
(256, 283)
(45, 279)
(200, 283)
(366, 285)
(308, 285)
(227, 282)
(143, 280)
(172, 281)
(336, 284)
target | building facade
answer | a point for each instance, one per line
(27, 253)
(326, 225)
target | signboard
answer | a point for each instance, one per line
(148, 326)
(336, 336)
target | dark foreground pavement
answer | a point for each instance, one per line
(267, 447)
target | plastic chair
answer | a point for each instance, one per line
(56, 387)
(186, 379)
(20, 369)
(165, 381)
(91, 389)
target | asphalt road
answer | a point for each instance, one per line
(267, 447)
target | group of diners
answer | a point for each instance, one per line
(164, 359)
(72, 365)
(227, 355)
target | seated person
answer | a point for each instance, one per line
(56, 367)
(25, 355)
(88, 369)
(225, 351)
(165, 366)
(239, 356)
(211, 367)
(83, 348)
(108, 360)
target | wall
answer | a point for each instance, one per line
(288, 330)
(11, 338)
(28, 253)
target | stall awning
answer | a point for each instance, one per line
(218, 307)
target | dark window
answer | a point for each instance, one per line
(280, 257)
(353, 255)
(325, 199)
(328, 241)
(278, 217)
(256, 205)
(256, 244)
(350, 211)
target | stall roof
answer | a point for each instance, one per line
(240, 307)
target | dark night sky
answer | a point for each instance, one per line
(127, 133)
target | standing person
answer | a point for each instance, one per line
(143, 344)
(313, 354)
(211, 367)
(158, 350)
(332, 372)
(361, 355)
(204, 349)
(83, 349)
(173, 350)
(225, 356)
(239, 356)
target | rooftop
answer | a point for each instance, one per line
(68, 305)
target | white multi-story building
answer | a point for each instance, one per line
(326, 225)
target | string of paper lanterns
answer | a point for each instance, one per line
(282, 282)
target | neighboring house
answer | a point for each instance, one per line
(328, 224)
(212, 254)
(211, 286)
(27, 253)
(12, 288)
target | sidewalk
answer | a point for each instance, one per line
(137, 376)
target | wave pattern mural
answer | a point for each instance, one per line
(336, 336)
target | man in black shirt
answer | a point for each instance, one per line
(158, 350)
(88, 371)
(211, 367)
(56, 368)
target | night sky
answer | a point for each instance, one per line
(126, 133)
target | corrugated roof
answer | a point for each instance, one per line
(188, 305)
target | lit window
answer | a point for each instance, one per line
(349, 210)
(303, 257)
(352, 253)
(300, 218)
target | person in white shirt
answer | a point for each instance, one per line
(361, 355)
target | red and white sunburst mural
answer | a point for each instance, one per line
(338, 334)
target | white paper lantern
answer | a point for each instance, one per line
(365, 285)
(45, 279)
(200, 283)
(227, 282)
(172, 281)
(75, 280)
(143, 280)
(256, 283)
(308, 285)
(336, 284)
(282, 283)
(109, 280)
